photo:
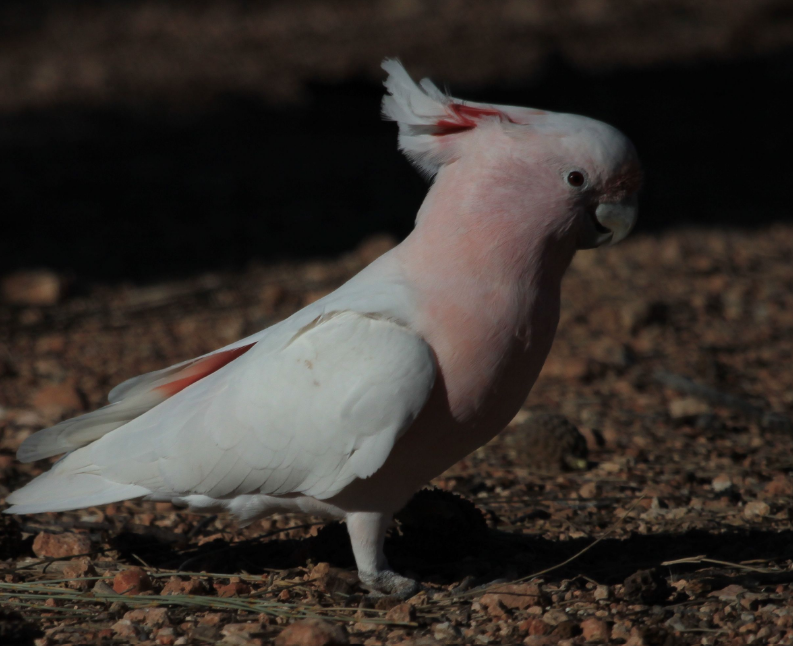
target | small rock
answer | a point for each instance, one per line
(37, 287)
(60, 545)
(535, 626)
(125, 629)
(565, 630)
(595, 630)
(78, 569)
(687, 407)
(589, 490)
(721, 483)
(781, 485)
(555, 617)
(132, 581)
(514, 596)
(165, 636)
(332, 579)
(57, 398)
(756, 509)
(240, 629)
(404, 613)
(152, 617)
(602, 593)
(234, 588)
(446, 632)
(312, 632)
(175, 585)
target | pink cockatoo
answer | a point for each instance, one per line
(349, 406)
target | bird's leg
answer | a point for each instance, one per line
(367, 534)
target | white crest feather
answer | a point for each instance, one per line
(418, 109)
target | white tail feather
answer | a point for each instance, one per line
(60, 490)
(73, 433)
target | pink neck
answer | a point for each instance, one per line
(486, 266)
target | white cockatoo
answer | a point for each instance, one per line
(349, 406)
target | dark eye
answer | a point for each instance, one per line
(576, 179)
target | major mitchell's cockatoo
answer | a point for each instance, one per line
(349, 406)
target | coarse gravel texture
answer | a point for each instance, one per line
(672, 359)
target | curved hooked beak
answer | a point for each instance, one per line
(618, 218)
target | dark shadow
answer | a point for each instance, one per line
(445, 539)
(146, 192)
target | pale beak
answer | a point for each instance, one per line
(617, 217)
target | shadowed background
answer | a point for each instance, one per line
(143, 139)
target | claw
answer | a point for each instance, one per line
(387, 583)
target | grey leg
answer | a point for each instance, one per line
(367, 534)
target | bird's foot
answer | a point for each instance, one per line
(389, 584)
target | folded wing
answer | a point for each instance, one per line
(308, 417)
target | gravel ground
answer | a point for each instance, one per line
(663, 519)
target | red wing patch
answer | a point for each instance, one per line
(465, 118)
(200, 369)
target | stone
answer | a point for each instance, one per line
(312, 632)
(555, 617)
(132, 581)
(729, 593)
(535, 626)
(165, 636)
(756, 509)
(60, 545)
(332, 579)
(234, 588)
(248, 628)
(404, 613)
(589, 490)
(602, 593)
(125, 629)
(78, 569)
(687, 407)
(595, 630)
(781, 485)
(513, 596)
(175, 585)
(721, 482)
(33, 287)
(151, 617)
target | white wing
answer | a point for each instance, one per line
(309, 416)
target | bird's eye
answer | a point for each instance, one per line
(576, 179)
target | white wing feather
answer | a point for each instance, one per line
(309, 416)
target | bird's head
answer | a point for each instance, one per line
(580, 175)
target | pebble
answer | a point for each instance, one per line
(781, 485)
(60, 545)
(152, 617)
(686, 407)
(234, 588)
(721, 483)
(403, 613)
(132, 581)
(756, 509)
(595, 630)
(513, 597)
(312, 632)
(33, 287)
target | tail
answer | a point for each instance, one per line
(128, 401)
(70, 485)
